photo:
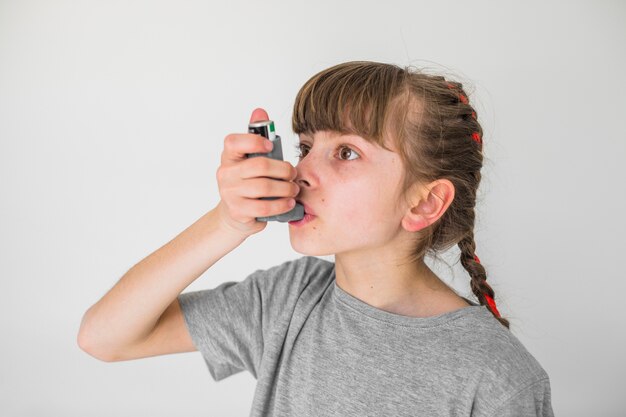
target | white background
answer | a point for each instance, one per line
(112, 120)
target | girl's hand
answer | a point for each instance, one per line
(241, 182)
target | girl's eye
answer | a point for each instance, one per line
(342, 151)
(350, 150)
(299, 147)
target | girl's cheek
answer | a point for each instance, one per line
(347, 169)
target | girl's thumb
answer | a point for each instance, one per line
(259, 114)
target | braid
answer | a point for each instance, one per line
(467, 110)
(480, 288)
(469, 260)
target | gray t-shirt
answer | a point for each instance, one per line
(316, 350)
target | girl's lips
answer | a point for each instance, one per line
(307, 218)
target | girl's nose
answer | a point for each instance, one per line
(300, 176)
(304, 175)
(302, 183)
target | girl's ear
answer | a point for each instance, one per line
(428, 204)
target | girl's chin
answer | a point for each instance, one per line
(306, 247)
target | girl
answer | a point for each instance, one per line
(388, 172)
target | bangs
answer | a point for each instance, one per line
(352, 98)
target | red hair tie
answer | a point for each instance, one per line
(464, 100)
(461, 96)
(490, 300)
(492, 304)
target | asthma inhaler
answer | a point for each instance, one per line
(266, 129)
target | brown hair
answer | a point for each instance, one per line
(434, 129)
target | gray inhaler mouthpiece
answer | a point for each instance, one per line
(266, 128)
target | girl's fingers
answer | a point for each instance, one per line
(265, 187)
(266, 167)
(252, 207)
(237, 145)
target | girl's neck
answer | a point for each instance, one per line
(394, 286)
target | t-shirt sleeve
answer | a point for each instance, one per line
(230, 323)
(534, 400)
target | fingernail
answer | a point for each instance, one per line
(268, 144)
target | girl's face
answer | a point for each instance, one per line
(352, 188)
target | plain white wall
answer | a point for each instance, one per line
(112, 119)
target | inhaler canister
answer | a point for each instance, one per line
(266, 129)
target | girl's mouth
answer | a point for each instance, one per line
(307, 218)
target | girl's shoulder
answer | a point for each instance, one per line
(498, 356)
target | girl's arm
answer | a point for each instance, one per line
(129, 312)
(140, 314)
